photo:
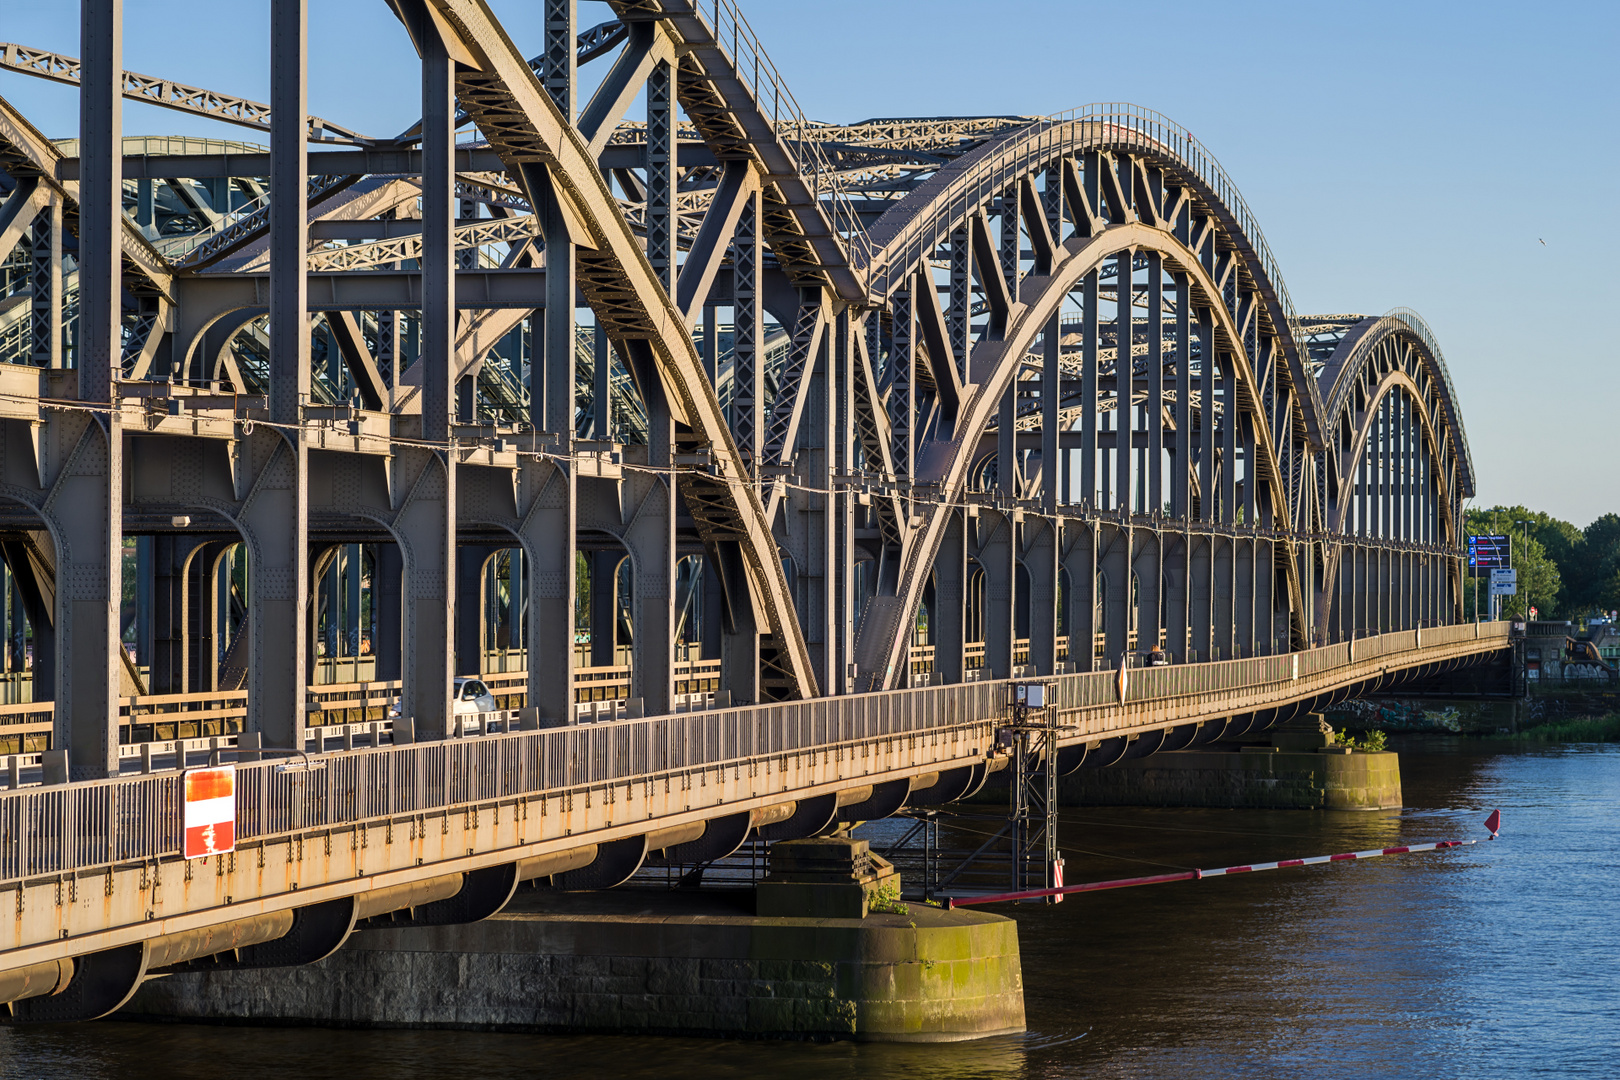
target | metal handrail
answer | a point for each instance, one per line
(754, 69)
(96, 823)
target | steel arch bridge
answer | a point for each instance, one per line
(704, 408)
(930, 399)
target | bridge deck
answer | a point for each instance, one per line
(95, 865)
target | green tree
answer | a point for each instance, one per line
(1595, 578)
(582, 595)
(1608, 597)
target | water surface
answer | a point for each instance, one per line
(1497, 960)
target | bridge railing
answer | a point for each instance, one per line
(76, 826)
(90, 824)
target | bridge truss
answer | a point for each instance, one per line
(842, 408)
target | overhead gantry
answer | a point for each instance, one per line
(825, 408)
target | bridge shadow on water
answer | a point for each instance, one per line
(1497, 960)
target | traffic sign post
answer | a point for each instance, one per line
(209, 814)
(1487, 553)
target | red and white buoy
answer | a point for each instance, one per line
(1492, 823)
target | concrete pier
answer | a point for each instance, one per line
(639, 962)
(1253, 777)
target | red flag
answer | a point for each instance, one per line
(1494, 823)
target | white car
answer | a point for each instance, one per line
(469, 697)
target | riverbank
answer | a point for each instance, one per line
(1585, 729)
(1541, 708)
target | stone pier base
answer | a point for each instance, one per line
(1255, 777)
(642, 963)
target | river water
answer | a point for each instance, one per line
(1497, 960)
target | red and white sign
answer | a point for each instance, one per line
(209, 816)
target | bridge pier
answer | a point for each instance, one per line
(641, 963)
(1294, 766)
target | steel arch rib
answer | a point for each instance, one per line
(994, 365)
(1389, 384)
(1344, 367)
(1392, 382)
(909, 232)
(1345, 371)
(525, 128)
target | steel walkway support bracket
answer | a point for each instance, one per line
(810, 817)
(951, 786)
(1107, 752)
(616, 862)
(885, 801)
(317, 932)
(102, 982)
(722, 837)
(484, 892)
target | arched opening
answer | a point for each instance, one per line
(1064, 594)
(604, 634)
(343, 617)
(229, 617)
(973, 617)
(922, 633)
(1021, 614)
(16, 655)
(504, 606)
(689, 613)
(864, 585)
(1099, 639)
(699, 605)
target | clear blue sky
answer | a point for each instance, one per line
(1412, 154)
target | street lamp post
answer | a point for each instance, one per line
(1524, 557)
